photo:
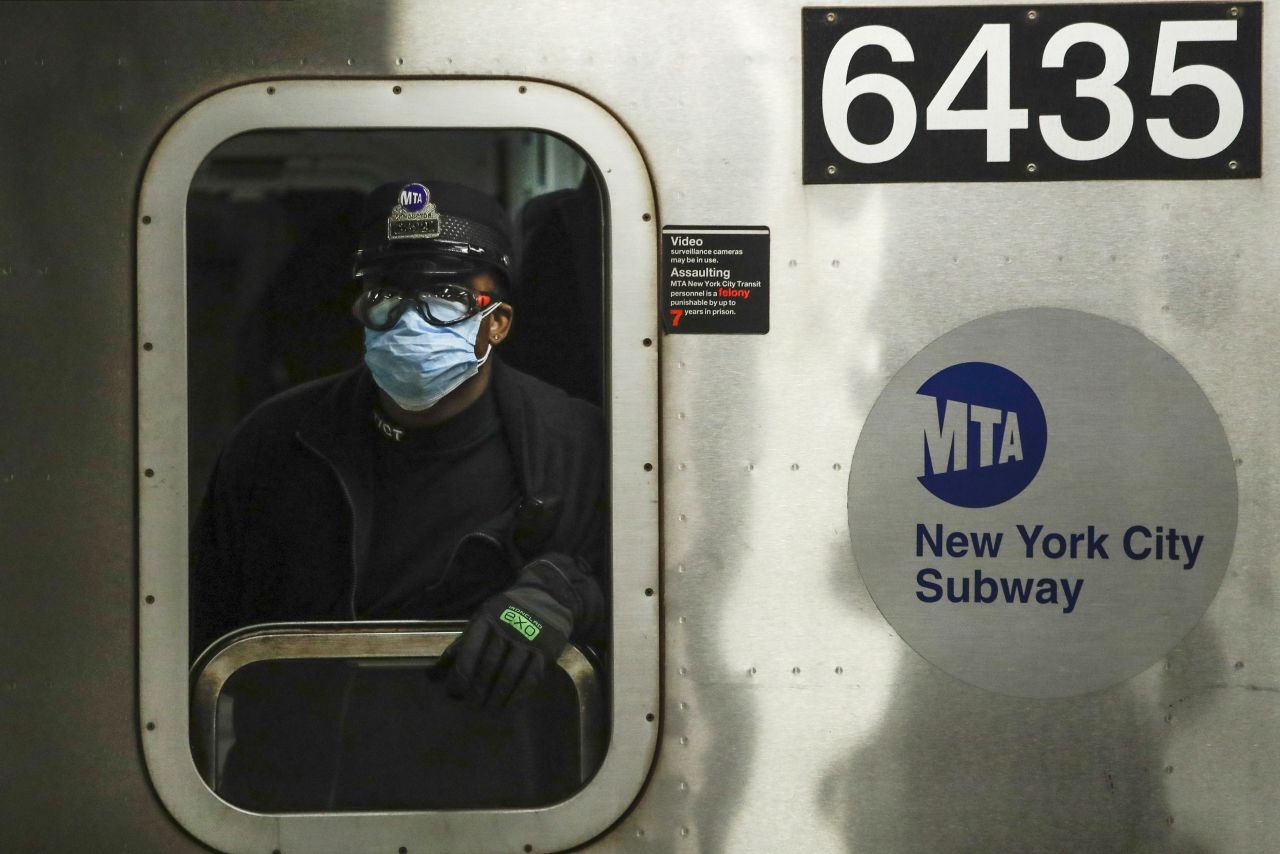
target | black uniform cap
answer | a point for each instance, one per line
(458, 228)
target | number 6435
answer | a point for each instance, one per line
(999, 118)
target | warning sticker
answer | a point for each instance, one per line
(715, 279)
(1042, 502)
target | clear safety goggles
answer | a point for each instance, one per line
(382, 304)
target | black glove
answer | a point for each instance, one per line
(510, 641)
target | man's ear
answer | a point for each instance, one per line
(500, 323)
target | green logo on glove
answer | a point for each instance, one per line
(521, 622)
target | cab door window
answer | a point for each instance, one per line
(352, 601)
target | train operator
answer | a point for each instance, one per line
(431, 482)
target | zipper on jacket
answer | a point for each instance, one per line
(351, 504)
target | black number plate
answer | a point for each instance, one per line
(1004, 93)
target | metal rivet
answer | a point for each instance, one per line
(831, 170)
(795, 671)
(648, 591)
(524, 89)
(835, 467)
(151, 725)
(839, 670)
(684, 739)
(399, 60)
(1234, 11)
(795, 467)
(649, 717)
(647, 217)
(396, 90)
(1032, 15)
(1233, 165)
(648, 466)
(146, 220)
(150, 472)
(831, 17)
(148, 346)
(1032, 168)
(150, 600)
(528, 848)
(648, 342)
(684, 831)
(271, 90)
(1239, 665)
(751, 671)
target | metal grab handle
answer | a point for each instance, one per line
(407, 641)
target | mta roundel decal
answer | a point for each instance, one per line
(983, 434)
(414, 197)
(1042, 502)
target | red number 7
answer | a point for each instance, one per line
(676, 314)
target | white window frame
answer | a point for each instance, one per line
(632, 404)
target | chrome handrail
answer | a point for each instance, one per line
(405, 641)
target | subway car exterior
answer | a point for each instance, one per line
(934, 344)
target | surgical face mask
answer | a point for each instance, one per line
(417, 363)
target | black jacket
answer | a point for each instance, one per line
(283, 531)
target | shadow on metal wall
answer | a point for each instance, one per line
(956, 768)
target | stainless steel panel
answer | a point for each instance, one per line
(794, 719)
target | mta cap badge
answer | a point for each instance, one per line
(447, 229)
(413, 217)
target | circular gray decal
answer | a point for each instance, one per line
(1042, 502)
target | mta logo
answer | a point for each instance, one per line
(414, 197)
(983, 434)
